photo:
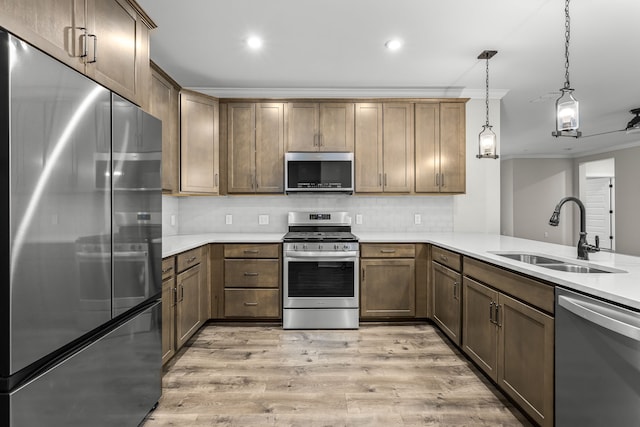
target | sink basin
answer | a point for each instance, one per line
(530, 258)
(574, 268)
(557, 264)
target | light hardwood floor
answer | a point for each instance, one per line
(378, 375)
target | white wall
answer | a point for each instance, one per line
(479, 209)
(537, 187)
(506, 198)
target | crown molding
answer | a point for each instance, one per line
(406, 92)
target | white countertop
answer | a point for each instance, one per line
(622, 288)
(172, 245)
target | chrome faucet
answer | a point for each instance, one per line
(583, 247)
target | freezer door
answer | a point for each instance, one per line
(53, 122)
(113, 382)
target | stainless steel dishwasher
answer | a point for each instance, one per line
(597, 362)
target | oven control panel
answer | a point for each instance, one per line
(321, 247)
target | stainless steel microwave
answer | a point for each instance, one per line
(318, 172)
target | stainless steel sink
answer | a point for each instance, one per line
(557, 264)
(530, 258)
(574, 268)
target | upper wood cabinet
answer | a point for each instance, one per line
(106, 39)
(255, 147)
(384, 147)
(320, 126)
(164, 104)
(440, 147)
(199, 144)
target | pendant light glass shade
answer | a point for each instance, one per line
(487, 143)
(487, 140)
(567, 115)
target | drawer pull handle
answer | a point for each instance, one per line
(246, 273)
(166, 270)
(251, 251)
(190, 260)
(388, 251)
(250, 304)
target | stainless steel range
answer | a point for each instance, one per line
(320, 272)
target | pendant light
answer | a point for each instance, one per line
(487, 139)
(567, 113)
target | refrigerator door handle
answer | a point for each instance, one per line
(591, 313)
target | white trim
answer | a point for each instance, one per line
(399, 92)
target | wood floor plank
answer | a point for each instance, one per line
(378, 375)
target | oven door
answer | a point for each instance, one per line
(314, 280)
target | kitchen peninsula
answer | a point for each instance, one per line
(458, 276)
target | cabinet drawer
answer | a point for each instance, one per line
(168, 267)
(392, 250)
(269, 250)
(188, 259)
(256, 273)
(531, 291)
(446, 257)
(252, 303)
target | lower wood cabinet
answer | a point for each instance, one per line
(387, 280)
(511, 340)
(168, 309)
(512, 343)
(252, 303)
(446, 287)
(447, 291)
(188, 304)
(186, 300)
(252, 281)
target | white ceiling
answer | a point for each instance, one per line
(315, 48)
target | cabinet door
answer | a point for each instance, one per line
(452, 147)
(368, 148)
(479, 327)
(53, 26)
(205, 287)
(302, 133)
(446, 301)
(427, 151)
(164, 105)
(269, 158)
(387, 288)
(168, 318)
(199, 146)
(525, 358)
(120, 59)
(241, 145)
(397, 143)
(336, 126)
(188, 307)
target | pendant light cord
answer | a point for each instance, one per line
(567, 36)
(487, 92)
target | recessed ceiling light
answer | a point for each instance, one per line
(254, 42)
(393, 44)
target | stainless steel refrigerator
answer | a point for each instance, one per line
(80, 338)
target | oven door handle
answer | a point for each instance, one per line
(322, 256)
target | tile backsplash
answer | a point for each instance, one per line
(192, 215)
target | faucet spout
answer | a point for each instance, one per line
(583, 247)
